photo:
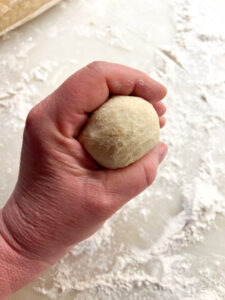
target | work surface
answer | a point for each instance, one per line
(169, 242)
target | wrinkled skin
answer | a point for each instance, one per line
(62, 196)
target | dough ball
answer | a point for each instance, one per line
(121, 131)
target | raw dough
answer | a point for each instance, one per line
(121, 131)
(15, 13)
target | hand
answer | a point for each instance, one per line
(62, 196)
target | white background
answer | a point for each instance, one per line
(169, 242)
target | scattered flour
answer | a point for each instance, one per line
(167, 269)
(167, 243)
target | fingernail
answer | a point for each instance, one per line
(162, 152)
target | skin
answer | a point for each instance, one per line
(62, 196)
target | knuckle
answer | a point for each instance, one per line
(33, 125)
(96, 65)
(31, 119)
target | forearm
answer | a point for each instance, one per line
(15, 269)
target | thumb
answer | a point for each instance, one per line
(130, 181)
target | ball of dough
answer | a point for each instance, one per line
(121, 131)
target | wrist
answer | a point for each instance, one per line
(16, 270)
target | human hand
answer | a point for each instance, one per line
(62, 196)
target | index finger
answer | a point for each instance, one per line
(90, 87)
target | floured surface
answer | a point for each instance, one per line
(169, 243)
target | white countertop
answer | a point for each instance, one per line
(169, 243)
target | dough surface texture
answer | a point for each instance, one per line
(121, 131)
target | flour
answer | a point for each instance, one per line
(168, 243)
(167, 266)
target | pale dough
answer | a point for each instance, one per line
(121, 131)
